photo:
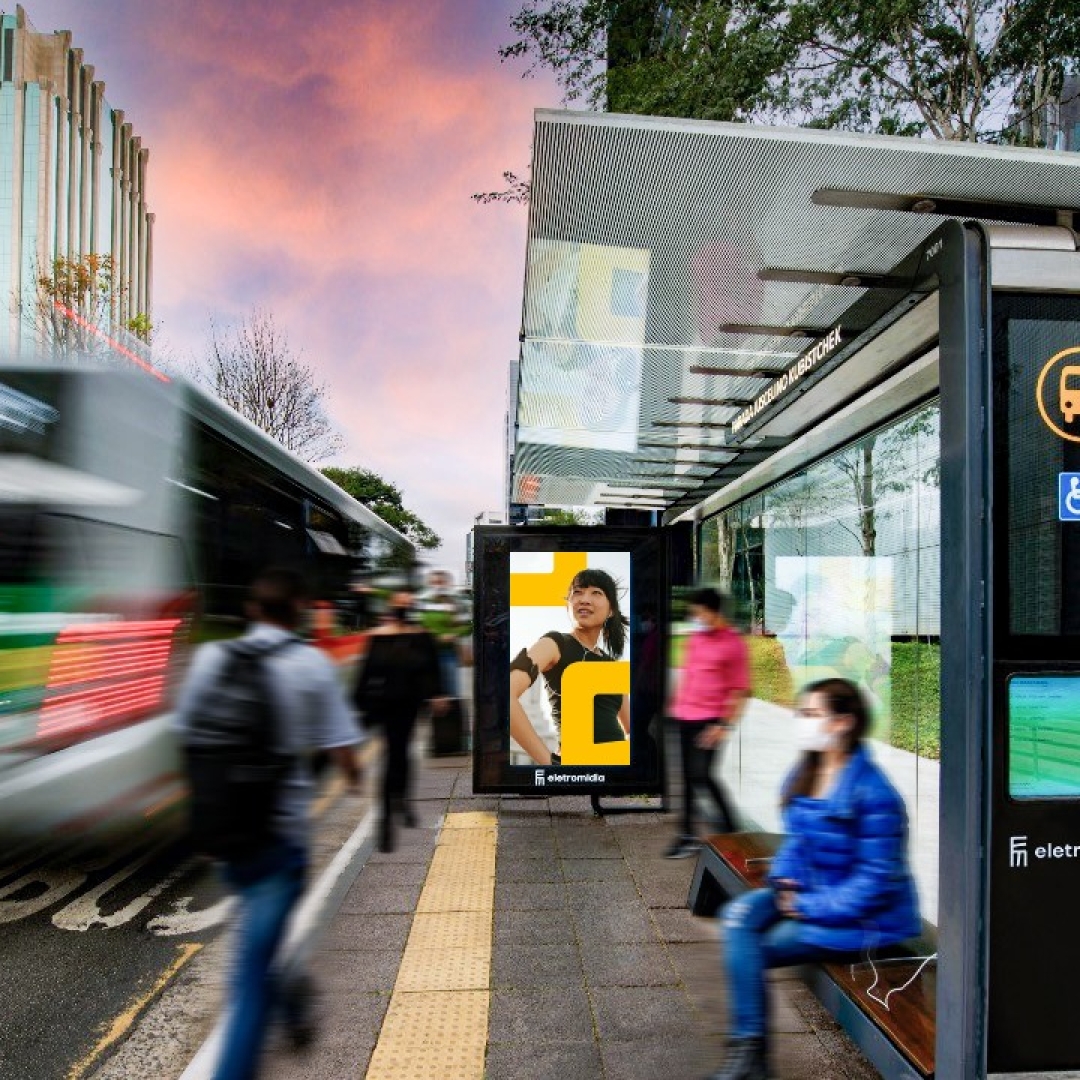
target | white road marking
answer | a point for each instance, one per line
(182, 920)
(83, 913)
(58, 884)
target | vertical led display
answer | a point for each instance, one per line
(568, 645)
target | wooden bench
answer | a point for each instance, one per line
(888, 1009)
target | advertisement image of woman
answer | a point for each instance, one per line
(597, 633)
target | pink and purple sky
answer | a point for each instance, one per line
(316, 160)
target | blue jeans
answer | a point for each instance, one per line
(267, 887)
(757, 937)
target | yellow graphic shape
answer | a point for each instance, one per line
(581, 682)
(1068, 393)
(547, 590)
(596, 318)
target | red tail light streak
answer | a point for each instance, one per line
(104, 675)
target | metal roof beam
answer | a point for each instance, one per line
(942, 205)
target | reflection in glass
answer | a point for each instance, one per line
(835, 571)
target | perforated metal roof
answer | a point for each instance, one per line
(674, 268)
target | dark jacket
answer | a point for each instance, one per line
(400, 670)
(848, 854)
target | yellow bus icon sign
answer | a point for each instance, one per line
(1060, 411)
(1069, 392)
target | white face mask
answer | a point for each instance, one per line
(812, 733)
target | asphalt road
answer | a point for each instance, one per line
(86, 939)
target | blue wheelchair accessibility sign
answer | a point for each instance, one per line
(1068, 496)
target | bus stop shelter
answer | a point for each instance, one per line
(712, 311)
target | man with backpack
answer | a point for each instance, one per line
(251, 714)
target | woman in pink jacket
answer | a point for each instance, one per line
(712, 691)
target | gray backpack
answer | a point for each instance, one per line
(232, 750)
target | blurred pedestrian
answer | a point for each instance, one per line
(311, 714)
(440, 610)
(399, 672)
(711, 695)
(839, 884)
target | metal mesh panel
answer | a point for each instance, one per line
(645, 298)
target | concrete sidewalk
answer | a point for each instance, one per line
(594, 966)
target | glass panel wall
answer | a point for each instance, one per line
(835, 571)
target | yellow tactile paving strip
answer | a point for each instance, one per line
(436, 1025)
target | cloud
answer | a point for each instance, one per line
(320, 168)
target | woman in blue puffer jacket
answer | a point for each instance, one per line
(840, 882)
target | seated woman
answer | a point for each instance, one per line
(592, 604)
(840, 882)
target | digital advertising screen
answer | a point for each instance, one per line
(570, 629)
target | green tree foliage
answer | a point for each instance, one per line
(79, 307)
(990, 70)
(384, 499)
(559, 516)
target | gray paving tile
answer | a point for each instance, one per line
(513, 806)
(531, 1016)
(662, 1059)
(523, 821)
(367, 931)
(624, 1013)
(409, 848)
(595, 870)
(351, 1016)
(473, 804)
(551, 1061)
(596, 894)
(346, 972)
(511, 869)
(522, 929)
(796, 1057)
(556, 963)
(677, 924)
(526, 843)
(572, 806)
(631, 964)
(530, 896)
(328, 1060)
(380, 898)
(613, 924)
(586, 844)
(784, 1017)
(392, 874)
(568, 823)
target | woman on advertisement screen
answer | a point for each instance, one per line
(597, 633)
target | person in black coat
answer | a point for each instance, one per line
(400, 673)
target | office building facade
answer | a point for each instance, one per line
(72, 179)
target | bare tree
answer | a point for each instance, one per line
(253, 368)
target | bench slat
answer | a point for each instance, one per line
(910, 1018)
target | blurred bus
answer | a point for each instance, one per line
(134, 510)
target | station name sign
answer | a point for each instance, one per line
(786, 382)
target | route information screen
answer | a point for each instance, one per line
(1044, 736)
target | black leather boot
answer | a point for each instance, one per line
(747, 1059)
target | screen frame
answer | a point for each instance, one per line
(649, 573)
(1011, 681)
